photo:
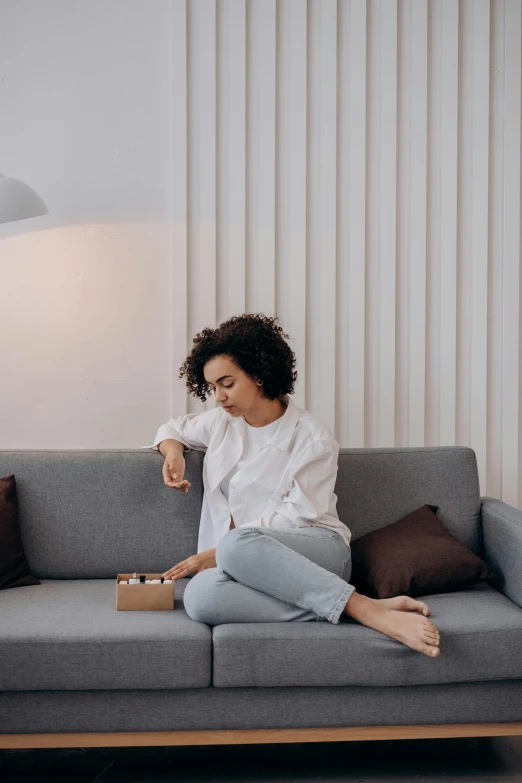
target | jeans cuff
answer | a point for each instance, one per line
(341, 603)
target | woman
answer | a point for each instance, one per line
(271, 547)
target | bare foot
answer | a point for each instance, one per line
(403, 603)
(411, 629)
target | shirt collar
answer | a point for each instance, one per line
(281, 437)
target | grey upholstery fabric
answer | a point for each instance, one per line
(376, 487)
(71, 662)
(67, 634)
(481, 639)
(91, 514)
(258, 708)
(502, 531)
(94, 514)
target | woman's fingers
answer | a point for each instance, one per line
(185, 568)
(177, 569)
(173, 574)
(184, 485)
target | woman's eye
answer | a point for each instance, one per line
(228, 387)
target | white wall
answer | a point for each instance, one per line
(85, 313)
(352, 167)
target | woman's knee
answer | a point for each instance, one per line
(227, 546)
(199, 594)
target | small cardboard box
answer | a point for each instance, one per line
(143, 597)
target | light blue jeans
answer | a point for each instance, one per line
(267, 575)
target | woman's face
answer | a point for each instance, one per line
(232, 387)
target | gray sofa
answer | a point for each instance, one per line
(76, 672)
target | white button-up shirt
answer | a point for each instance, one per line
(289, 483)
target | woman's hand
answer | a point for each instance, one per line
(174, 470)
(192, 565)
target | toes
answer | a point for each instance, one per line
(418, 606)
(434, 640)
(432, 652)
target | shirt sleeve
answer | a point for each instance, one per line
(194, 430)
(311, 488)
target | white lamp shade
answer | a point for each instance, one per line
(18, 201)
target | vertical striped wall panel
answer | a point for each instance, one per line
(353, 167)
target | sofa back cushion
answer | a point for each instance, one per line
(378, 486)
(96, 513)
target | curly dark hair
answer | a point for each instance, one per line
(255, 343)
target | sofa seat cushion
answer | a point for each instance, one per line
(67, 634)
(480, 639)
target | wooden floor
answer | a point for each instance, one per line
(472, 759)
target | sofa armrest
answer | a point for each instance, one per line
(502, 540)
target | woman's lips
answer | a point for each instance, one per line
(227, 408)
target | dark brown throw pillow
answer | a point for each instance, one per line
(14, 568)
(415, 556)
